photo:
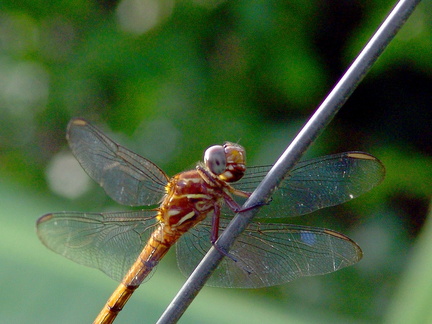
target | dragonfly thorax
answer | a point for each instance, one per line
(188, 201)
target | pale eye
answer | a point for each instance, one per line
(215, 159)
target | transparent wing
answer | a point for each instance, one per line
(110, 242)
(317, 183)
(126, 177)
(269, 254)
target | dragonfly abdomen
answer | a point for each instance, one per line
(155, 249)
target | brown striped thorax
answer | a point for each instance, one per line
(193, 195)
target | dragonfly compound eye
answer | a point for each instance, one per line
(236, 162)
(215, 159)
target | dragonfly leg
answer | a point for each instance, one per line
(222, 251)
(215, 236)
(236, 208)
(215, 224)
(229, 255)
(260, 204)
(215, 233)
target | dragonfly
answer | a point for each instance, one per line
(192, 208)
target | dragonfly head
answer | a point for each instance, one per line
(227, 161)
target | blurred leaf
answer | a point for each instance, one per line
(411, 302)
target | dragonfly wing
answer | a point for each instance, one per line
(110, 242)
(270, 254)
(126, 177)
(318, 183)
(192, 246)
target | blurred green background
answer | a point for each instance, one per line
(169, 78)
